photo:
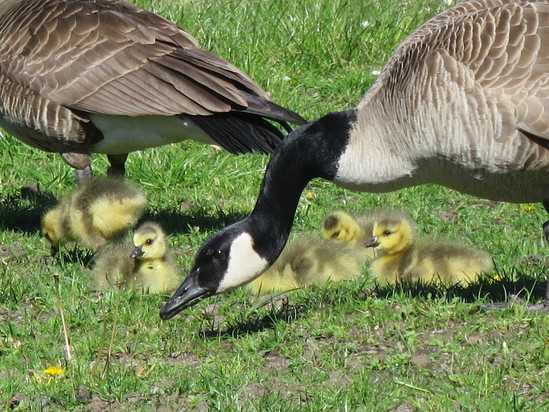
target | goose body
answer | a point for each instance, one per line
(460, 103)
(142, 263)
(404, 258)
(307, 261)
(94, 213)
(105, 76)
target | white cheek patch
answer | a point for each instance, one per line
(244, 264)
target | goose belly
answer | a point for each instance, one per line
(482, 176)
(124, 134)
(511, 169)
(511, 185)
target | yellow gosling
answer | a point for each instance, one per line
(307, 261)
(94, 213)
(143, 263)
(402, 258)
(343, 227)
(113, 266)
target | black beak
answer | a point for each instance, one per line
(136, 252)
(188, 294)
(372, 242)
(54, 250)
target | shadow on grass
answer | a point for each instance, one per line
(75, 255)
(23, 211)
(506, 287)
(253, 323)
(495, 293)
(177, 223)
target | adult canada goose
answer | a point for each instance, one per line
(92, 214)
(404, 258)
(143, 263)
(342, 227)
(105, 76)
(460, 103)
(307, 261)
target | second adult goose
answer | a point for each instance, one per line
(461, 103)
(104, 76)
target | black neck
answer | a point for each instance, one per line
(309, 152)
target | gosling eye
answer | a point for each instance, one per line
(387, 232)
(149, 242)
(335, 234)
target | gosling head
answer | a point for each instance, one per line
(393, 233)
(341, 227)
(149, 241)
(52, 229)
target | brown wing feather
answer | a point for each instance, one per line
(113, 51)
(503, 45)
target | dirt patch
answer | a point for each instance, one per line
(274, 360)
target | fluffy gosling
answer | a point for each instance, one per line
(342, 227)
(92, 214)
(403, 258)
(142, 263)
(307, 261)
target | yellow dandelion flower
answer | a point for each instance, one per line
(528, 208)
(309, 195)
(496, 278)
(54, 371)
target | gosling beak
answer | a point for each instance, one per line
(372, 242)
(136, 252)
(54, 250)
(189, 293)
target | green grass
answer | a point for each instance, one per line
(350, 346)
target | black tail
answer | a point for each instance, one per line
(242, 132)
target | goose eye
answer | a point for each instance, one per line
(220, 254)
(335, 234)
(387, 232)
(149, 242)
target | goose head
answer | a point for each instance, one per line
(227, 260)
(392, 234)
(239, 253)
(149, 241)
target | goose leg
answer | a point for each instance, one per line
(117, 162)
(83, 174)
(81, 163)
